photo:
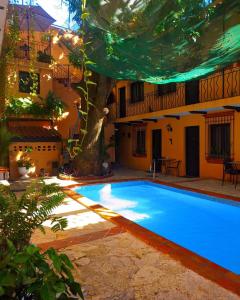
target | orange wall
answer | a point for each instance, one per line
(42, 157)
(175, 150)
(70, 122)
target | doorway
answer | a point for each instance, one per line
(192, 151)
(122, 102)
(192, 92)
(157, 147)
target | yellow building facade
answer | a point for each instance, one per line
(196, 123)
(38, 51)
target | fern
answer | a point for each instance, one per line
(19, 217)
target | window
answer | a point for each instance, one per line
(219, 141)
(219, 136)
(137, 92)
(140, 141)
(164, 89)
(26, 82)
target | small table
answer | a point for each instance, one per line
(164, 161)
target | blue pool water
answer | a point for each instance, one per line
(206, 225)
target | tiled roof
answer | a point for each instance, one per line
(34, 134)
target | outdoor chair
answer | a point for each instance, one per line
(173, 165)
(229, 169)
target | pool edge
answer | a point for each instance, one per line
(189, 259)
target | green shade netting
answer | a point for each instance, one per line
(161, 41)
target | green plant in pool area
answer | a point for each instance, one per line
(26, 272)
(30, 274)
(19, 217)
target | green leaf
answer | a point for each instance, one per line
(84, 16)
(89, 62)
(7, 279)
(83, 131)
(1, 291)
(82, 89)
(21, 258)
(31, 249)
(59, 287)
(83, 112)
(47, 293)
(57, 263)
(66, 260)
(91, 82)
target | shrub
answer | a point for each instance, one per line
(25, 272)
(52, 106)
(29, 274)
(19, 217)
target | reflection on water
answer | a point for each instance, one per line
(121, 205)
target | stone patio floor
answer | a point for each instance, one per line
(112, 264)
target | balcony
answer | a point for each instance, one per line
(39, 50)
(224, 84)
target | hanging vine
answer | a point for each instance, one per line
(11, 39)
(75, 146)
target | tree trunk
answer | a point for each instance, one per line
(88, 161)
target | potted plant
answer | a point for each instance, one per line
(25, 164)
(44, 57)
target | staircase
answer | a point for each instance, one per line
(71, 124)
(66, 74)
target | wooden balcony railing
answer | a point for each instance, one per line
(224, 84)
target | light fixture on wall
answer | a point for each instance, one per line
(169, 128)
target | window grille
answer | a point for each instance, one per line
(219, 133)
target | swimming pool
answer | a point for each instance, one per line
(206, 225)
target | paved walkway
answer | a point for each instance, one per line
(112, 264)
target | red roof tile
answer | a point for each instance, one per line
(34, 134)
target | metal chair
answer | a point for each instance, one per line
(228, 169)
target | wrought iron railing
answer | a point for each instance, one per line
(40, 50)
(224, 84)
(65, 74)
(24, 2)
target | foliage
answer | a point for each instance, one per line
(30, 274)
(19, 217)
(25, 160)
(23, 106)
(44, 57)
(5, 139)
(78, 57)
(11, 39)
(52, 106)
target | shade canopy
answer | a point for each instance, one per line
(32, 17)
(161, 41)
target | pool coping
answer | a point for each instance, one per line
(189, 259)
